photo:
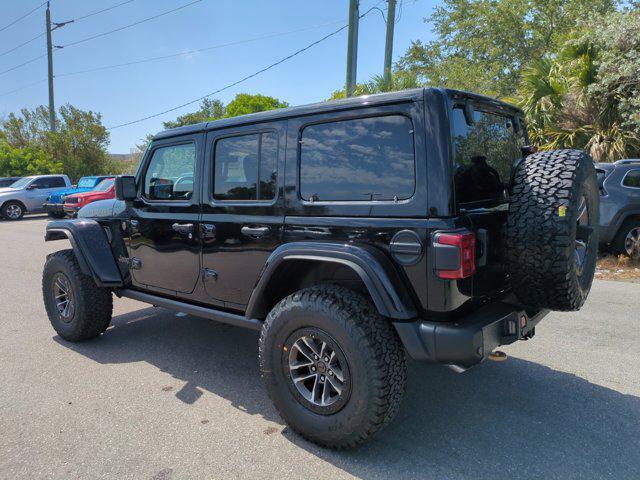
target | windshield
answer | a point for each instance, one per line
(484, 154)
(104, 185)
(87, 182)
(21, 183)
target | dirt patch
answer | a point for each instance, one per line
(620, 268)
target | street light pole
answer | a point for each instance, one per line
(388, 47)
(52, 108)
(352, 47)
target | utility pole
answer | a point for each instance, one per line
(388, 47)
(352, 47)
(52, 108)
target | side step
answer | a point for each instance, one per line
(195, 310)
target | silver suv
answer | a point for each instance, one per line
(29, 193)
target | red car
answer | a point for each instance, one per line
(103, 191)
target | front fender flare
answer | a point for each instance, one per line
(375, 269)
(91, 248)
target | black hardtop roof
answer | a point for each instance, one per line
(416, 94)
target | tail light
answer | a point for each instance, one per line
(455, 255)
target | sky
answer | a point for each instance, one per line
(131, 92)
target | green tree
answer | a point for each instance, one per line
(245, 103)
(586, 95)
(79, 145)
(28, 160)
(210, 109)
(400, 80)
(484, 45)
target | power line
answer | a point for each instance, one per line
(173, 55)
(23, 64)
(93, 37)
(101, 11)
(23, 16)
(23, 44)
(23, 87)
(190, 52)
(237, 82)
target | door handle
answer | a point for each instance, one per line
(255, 232)
(183, 228)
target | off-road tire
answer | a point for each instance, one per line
(93, 305)
(57, 215)
(374, 353)
(7, 206)
(618, 246)
(541, 229)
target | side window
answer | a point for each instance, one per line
(40, 183)
(169, 175)
(245, 167)
(632, 179)
(358, 160)
(57, 182)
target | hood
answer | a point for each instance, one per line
(57, 196)
(6, 190)
(111, 208)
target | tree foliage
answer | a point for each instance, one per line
(400, 80)
(587, 95)
(483, 45)
(210, 109)
(77, 148)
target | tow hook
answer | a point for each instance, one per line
(497, 356)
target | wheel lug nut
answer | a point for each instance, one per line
(315, 357)
(330, 373)
(313, 369)
(322, 378)
(326, 359)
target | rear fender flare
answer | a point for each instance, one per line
(375, 269)
(91, 248)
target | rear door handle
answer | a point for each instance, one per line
(255, 232)
(183, 228)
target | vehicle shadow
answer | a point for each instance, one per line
(516, 420)
(28, 217)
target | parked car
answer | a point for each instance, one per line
(619, 185)
(29, 193)
(7, 181)
(103, 191)
(54, 204)
(348, 232)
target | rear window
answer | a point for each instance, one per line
(632, 179)
(363, 159)
(484, 154)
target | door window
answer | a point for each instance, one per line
(169, 175)
(48, 182)
(246, 167)
(358, 160)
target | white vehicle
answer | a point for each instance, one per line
(29, 193)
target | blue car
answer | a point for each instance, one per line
(53, 205)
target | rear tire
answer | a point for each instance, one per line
(627, 241)
(365, 351)
(12, 210)
(551, 231)
(77, 308)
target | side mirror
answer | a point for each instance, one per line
(126, 187)
(31, 187)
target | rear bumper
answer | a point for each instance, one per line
(469, 340)
(53, 208)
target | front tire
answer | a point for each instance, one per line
(12, 210)
(334, 368)
(77, 308)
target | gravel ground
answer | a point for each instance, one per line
(161, 396)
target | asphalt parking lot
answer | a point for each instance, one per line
(161, 396)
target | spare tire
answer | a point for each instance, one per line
(551, 230)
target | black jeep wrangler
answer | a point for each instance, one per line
(348, 233)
